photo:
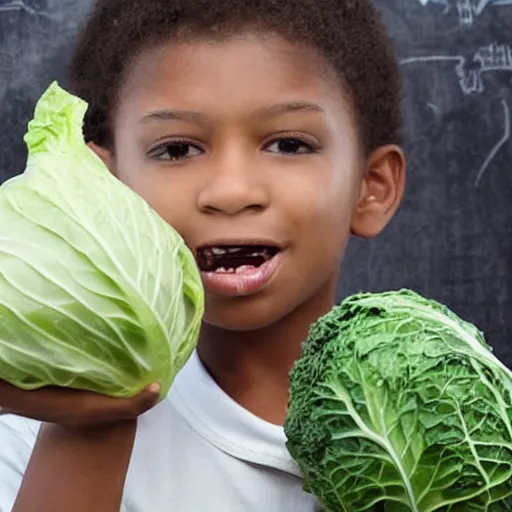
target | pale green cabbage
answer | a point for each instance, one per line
(399, 405)
(97, 292)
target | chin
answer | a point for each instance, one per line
(243, 313)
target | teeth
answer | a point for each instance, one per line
(221, 251)
(222, 270)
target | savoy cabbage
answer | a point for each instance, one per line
(399, 405)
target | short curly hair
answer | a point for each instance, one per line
(349, 34)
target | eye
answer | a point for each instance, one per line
(175, 151)
(290, 146)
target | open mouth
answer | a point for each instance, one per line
(234, 259)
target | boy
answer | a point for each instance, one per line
(263, 129)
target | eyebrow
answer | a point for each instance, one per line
(175, 115)
(289, 107)
(198, 117)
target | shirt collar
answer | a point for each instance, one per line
(216, 417)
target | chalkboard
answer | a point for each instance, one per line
(452, 239)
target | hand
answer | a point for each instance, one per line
(74, 409)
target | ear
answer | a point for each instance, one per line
(105, 155)
(382, 191)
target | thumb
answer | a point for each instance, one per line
(144, 401)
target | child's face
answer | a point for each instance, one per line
(246, 142)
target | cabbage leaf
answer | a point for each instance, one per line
(97, 291)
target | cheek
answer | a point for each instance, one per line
(323, 203)
(168, 194)
(172, 202)
(322, 214)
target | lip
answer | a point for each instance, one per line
(240, 241)
(248, 282)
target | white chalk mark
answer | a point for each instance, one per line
(433, 107)
(439, 2)
(489, 58)
(495, 150)
(480, 7)
(468, 10)
(432, 58)
(19, 5)
(493, 57)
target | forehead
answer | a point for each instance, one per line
(237, 74)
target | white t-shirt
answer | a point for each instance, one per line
(198, 450)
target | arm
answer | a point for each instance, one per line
(81, 456)
(79, 470)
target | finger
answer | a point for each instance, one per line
(71, 407)
(113, 409)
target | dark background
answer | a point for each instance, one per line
(452, 240)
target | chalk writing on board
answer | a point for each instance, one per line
(18, 5)
(470, 70)
(496, 149)
(468, 10)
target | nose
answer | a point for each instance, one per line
(233, 186)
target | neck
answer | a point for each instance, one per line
(253, 367)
